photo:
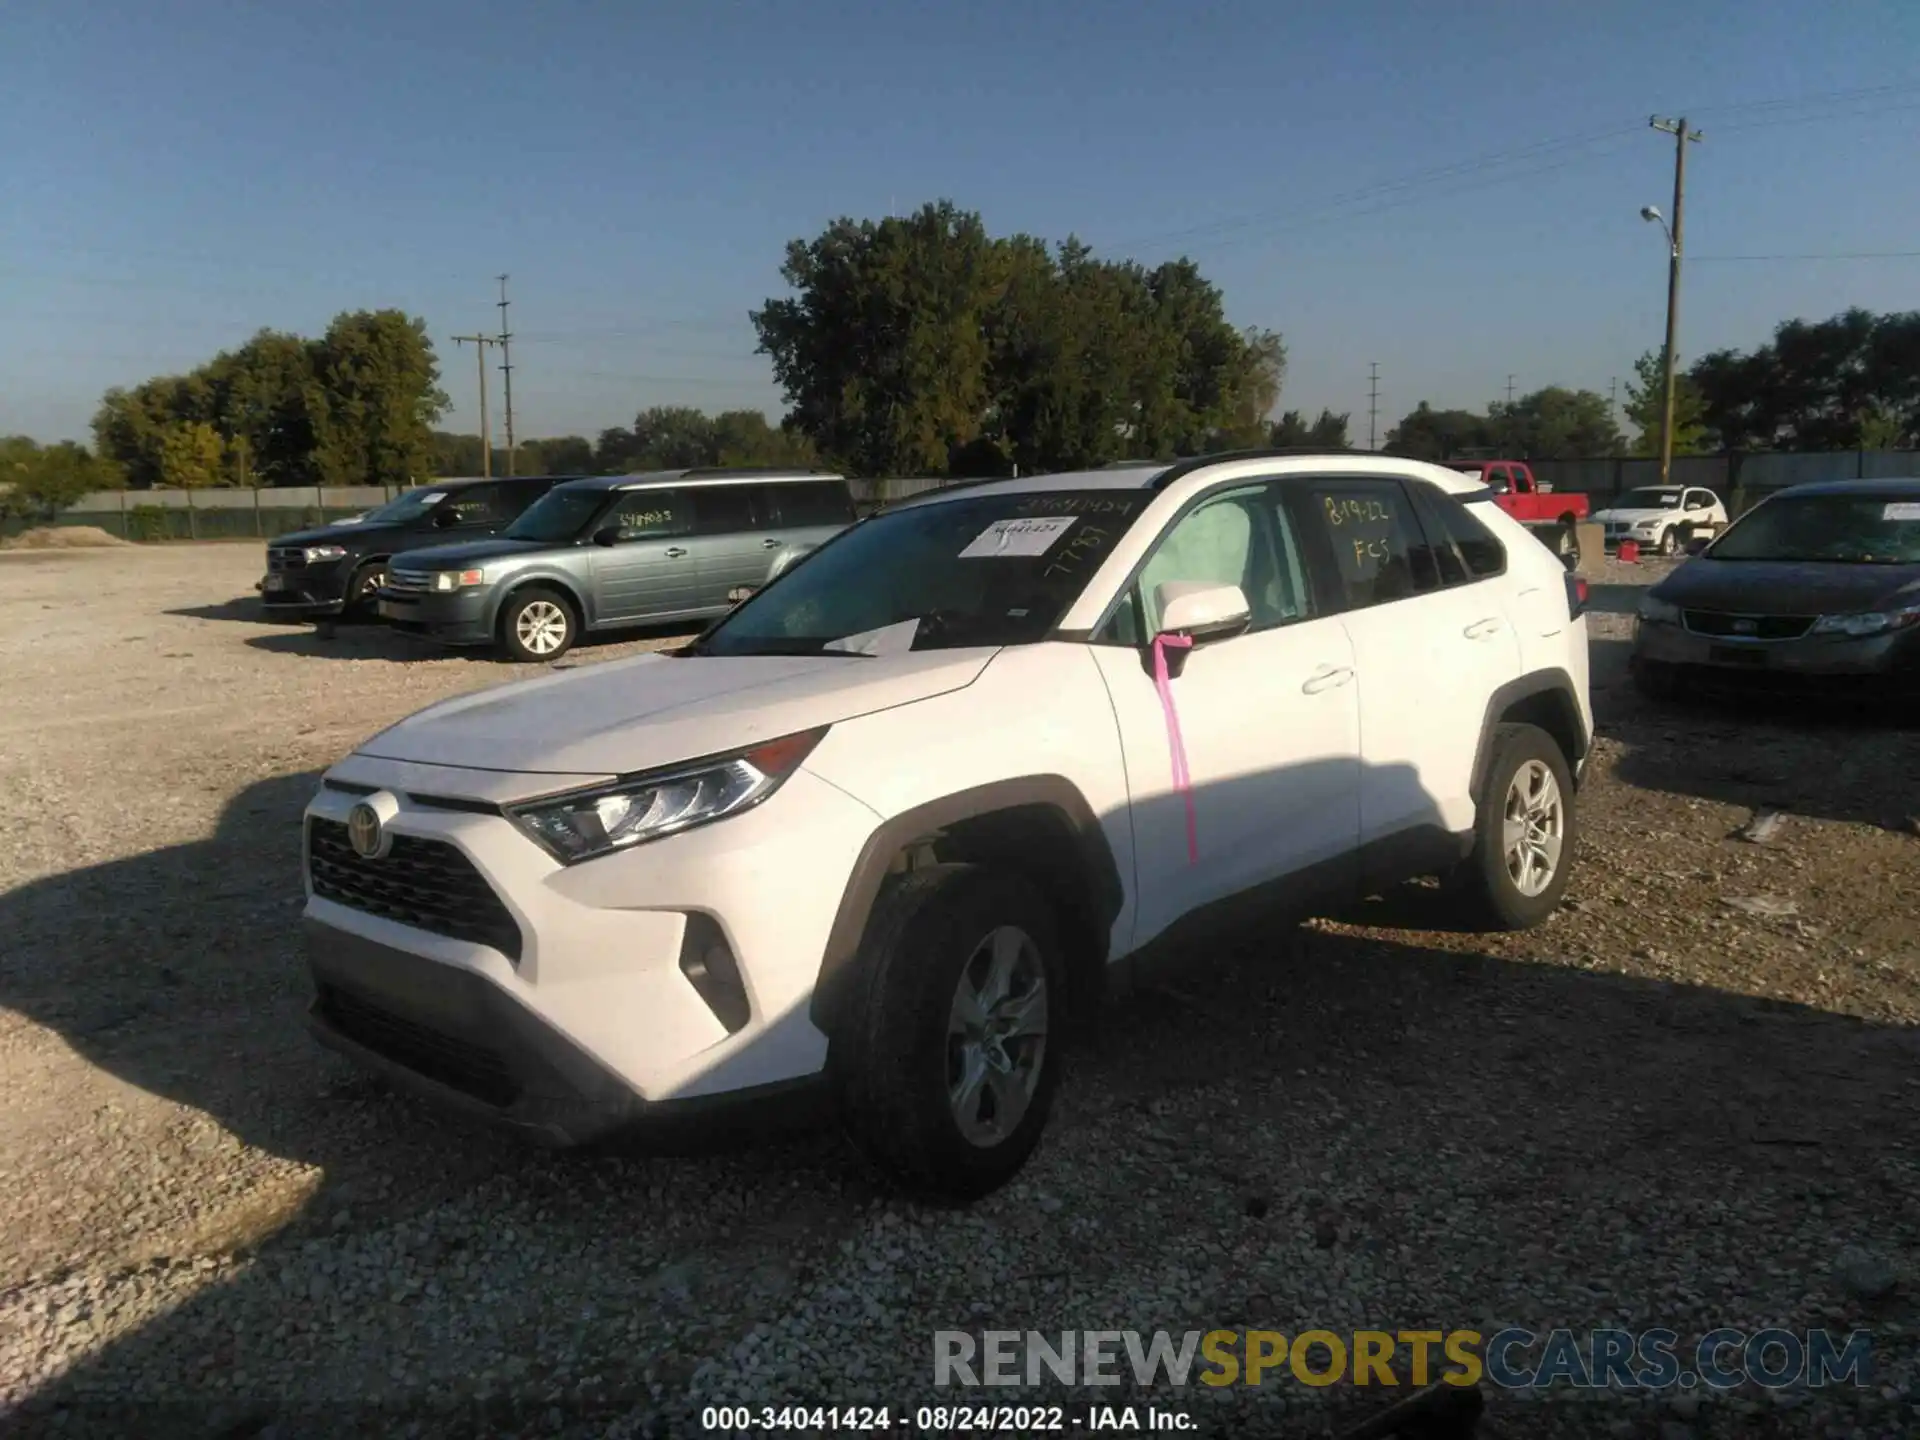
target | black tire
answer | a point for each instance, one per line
(891, 1048)
(1670, 542)
(1566, 544)
(363, 591)
(516, 641)
(1486, 887)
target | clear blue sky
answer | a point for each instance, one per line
(176, 176)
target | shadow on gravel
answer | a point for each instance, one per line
(246, 608)
(381, 642)
(1290, 1092)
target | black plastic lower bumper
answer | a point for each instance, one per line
(460, 1042)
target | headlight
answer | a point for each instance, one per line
(444, 580)
(588, 823)
(316, 553)
(1659, 612)
(1872, 622)
(1647, 525)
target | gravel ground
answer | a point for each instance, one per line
(1661, 1109)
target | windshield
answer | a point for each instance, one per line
(410, 505)
(1856, 529)
(1648, 500)
(985, 570)
(557, 516)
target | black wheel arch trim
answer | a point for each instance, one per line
(1093, 856)
(1555, 682)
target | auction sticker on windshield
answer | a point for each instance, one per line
(1017, 537)
(1902, 510)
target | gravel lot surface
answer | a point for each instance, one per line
(1661, 1109)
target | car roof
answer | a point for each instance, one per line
(698, 475)
(1891, 485)
(1161, 475)
(460, 482)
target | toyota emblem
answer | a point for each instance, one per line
(365, 832)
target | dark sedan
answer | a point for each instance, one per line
(1815, 590)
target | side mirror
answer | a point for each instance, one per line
(607, 535)
(1698, 543)
(1201, 609)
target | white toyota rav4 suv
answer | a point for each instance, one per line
(928, 796)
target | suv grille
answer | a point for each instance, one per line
(471, 1069)
(427, 884)
(409, 580)
(285, 558)
(1748, 627)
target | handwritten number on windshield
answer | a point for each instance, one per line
(1087, 540)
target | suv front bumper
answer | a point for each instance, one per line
(460, 617)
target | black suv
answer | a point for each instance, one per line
(336, 572)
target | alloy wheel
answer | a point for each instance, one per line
(997, 1036)
(541, 627)
(1535, 828)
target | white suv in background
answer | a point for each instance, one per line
(1664, 517)
(971, 765)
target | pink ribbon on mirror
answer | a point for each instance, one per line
(1182, 781)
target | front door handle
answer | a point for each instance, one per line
(1326, 678)
(771, 544)
(674, 552)
(1481, 629)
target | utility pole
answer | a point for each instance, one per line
(506, 368)
(1373, 404)
(480, 343)
(1506, 420)
(1681, 137)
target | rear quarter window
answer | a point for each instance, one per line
(808, 503)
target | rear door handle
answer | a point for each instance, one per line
(674, 552)
(771, 544)
(1481, 629)
(1326, 678)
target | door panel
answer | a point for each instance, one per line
(649, 572)
(1428, 655)
(1269, 719)
(732, 545)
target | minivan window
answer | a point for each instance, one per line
(560, 515)
(806, 503)
(651, 514)
(725, 509)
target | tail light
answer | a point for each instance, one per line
(1576, 596)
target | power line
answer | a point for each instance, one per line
(1818, 255)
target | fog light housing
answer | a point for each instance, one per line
(709, 965)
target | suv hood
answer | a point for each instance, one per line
(341, 532)
(1789, 587)
(655, 710)
(458, 556)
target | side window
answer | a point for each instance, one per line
(1479, 548)
(1699, 499)
(809, 503)
(1379, 549)
(477, 505)
(1241, 538)
(651, 514)
(725, 509)
(1499, 479)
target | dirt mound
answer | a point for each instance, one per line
(62, 537)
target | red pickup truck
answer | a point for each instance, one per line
(1532, 504)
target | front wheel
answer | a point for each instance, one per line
(1670, 542)
(1524, 833)
(363, 591)
(944, 1060)
(537, 625)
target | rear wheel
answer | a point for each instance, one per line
(537, 625)
(944, 1062)
(1524, 832)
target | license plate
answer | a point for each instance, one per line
(276, 582)
(1737, 655)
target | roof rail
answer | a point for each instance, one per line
(743, 472)
(1228, 457)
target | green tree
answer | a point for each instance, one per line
(1555, 424)
(743, 437)
(38, 482)
(1817, 385)
(1646, 408)
(1327, 432)
(1428, 434)
(558, 455)
(380, 379)
(672, 437)
(882, 350)
(192, 455)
